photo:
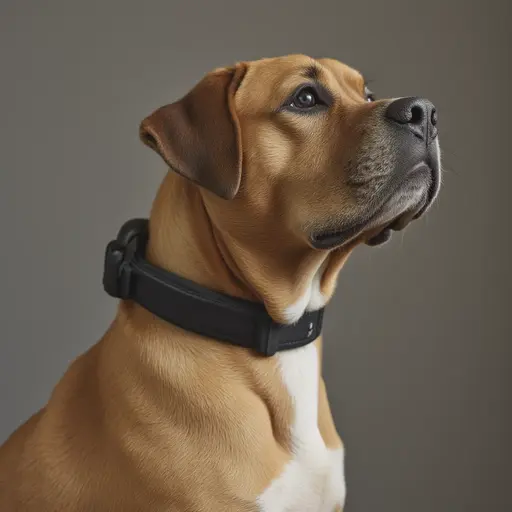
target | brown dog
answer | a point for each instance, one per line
(289, 164)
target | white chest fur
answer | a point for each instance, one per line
(313, 481)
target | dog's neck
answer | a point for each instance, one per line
(183, 240)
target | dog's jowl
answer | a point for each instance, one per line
(206, 392)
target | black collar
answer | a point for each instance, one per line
(128, 275)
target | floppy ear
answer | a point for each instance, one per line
(199, 135)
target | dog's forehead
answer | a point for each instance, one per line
(343, 73)
(282, 66)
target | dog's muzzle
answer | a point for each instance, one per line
(411, 183)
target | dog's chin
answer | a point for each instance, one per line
(384, 234)
(412, 210)
(405, 205)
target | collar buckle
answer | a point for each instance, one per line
(119, 255)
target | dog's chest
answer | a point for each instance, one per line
(313, 481)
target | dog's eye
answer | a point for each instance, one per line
(308, 99)
(305, 98)
(368, 94)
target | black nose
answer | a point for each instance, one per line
(417, 114)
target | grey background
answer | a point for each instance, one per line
(418, 357)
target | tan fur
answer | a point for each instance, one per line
(156, 418)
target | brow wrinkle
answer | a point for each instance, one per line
(312, 72)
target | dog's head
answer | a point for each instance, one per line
(301, 148)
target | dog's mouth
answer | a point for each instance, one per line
(331, 239)
(380, 228)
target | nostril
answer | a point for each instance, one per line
(433, 117)
(417, 115)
